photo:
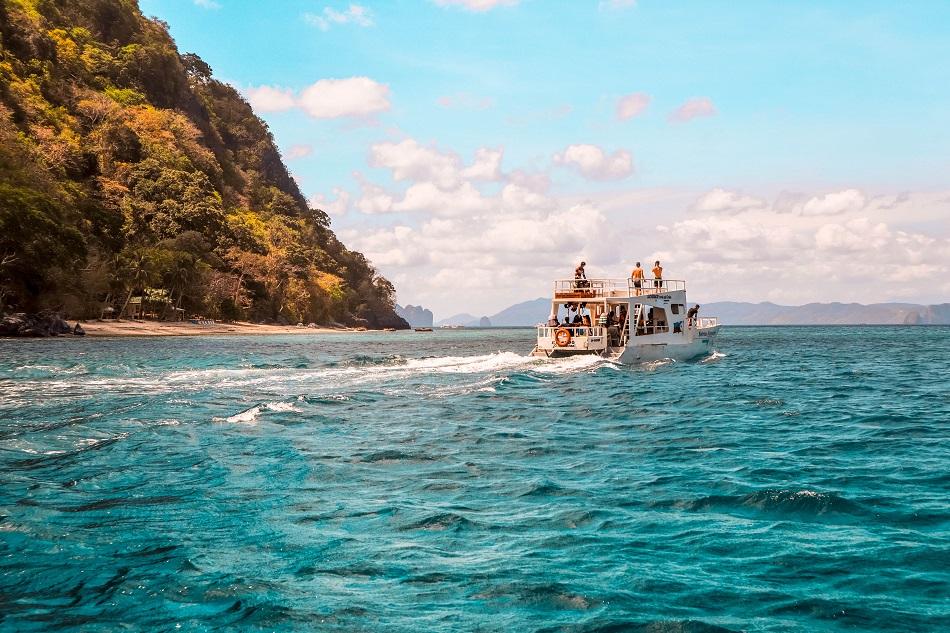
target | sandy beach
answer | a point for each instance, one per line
(159, 328)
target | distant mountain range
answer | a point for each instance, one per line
(735, 313)
(740, 313)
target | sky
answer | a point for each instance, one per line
(476, 150)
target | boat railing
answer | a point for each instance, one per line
(705, 322)
(547, 331)
(586, 289)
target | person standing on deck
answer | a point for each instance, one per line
(657, 274)
(637, 276)
(691, 315)
(580, 277)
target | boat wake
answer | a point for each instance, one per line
(715, 357)
(249, 416)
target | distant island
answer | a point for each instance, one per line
(134, 183)
(529, 313)
(416, 316)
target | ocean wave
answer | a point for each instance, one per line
(445, 521)
(653, 365)
(715, 357)
(392, 456)
(553, 595)
(621, 625)
(58, 457)
(782, 503)
(250, 416)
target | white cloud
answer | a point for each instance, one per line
(354, 14)
(716, 239)
(352, 97)
(373, 198)
(477, 6)
(355, 97)
(834, 203)
(722, 201)
(408, 160)
(335, 208)
(692, 109)
(487, 165)
(859, 234)
(489, 254)
(463, 243)
(426, 197)
(594, 163)
(270, 99)
(632, 105)
(298, 151)
(207, 4)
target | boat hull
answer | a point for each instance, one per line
(701, 343)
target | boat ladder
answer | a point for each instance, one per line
(629, 325)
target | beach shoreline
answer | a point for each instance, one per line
(129, 328)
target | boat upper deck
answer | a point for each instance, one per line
(586, 289)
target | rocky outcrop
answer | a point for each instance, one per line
(42, 324)
(416, 316)
(389, 321)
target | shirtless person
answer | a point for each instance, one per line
(580, 277)
(637, 276)
(657, 274)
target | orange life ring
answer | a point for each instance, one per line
(562, 337)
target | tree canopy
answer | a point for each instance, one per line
(126, 165)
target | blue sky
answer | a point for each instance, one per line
(807, 116)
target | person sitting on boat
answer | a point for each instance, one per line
(637, 276)
(553, 322)
(691, 315)
(580, 277)
(657, 274)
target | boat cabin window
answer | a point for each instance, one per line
(677, 308)
(656, 322)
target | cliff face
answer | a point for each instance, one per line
(125, 166)
(417, 316)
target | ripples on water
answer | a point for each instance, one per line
(796, 480)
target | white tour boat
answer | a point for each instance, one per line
(629, 324)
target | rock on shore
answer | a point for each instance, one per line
(41, 324)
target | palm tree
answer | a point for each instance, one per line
(137, 271)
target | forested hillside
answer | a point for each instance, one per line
(127, 169)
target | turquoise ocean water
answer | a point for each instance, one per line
(797, 480)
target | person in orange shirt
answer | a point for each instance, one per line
(657, 274)
(637, 276)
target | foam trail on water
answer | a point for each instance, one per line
(295, 380)
(714, 357)
(249, 416)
